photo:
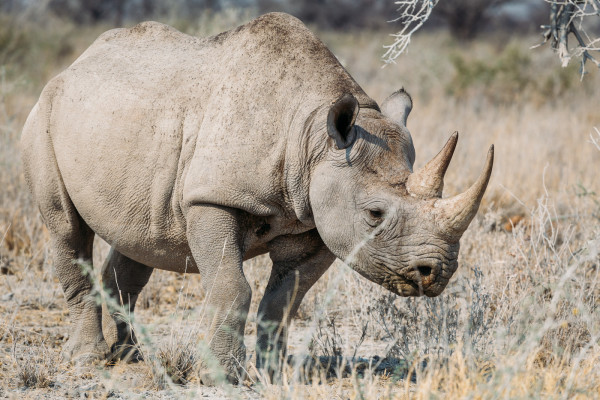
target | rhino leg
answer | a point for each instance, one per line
(73, 267)
(123, 280)
(71, 238)
(214, 237)
(298, 262)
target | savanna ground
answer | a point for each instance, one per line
(520, 319)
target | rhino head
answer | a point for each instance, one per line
(388, 223)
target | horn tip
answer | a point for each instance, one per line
(452, 141)
(490, 158)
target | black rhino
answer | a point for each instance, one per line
(195, 154)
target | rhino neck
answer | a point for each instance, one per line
(307, 142)
(306, 146)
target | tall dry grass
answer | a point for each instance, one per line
(519, 320)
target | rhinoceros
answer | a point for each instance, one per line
(194, 154)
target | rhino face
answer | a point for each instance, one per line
(385, 221)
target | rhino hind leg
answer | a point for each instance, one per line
(298, 262)
(73, 267)
(71, 238)
(123, 279)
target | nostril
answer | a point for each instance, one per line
(424, 270)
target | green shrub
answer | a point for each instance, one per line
(508, 77)
(14, 42)
(33, 51)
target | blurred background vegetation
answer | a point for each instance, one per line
(466, 18)
(37, 34)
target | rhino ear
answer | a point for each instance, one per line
(340, 121)
(397, 106)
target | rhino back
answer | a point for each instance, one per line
(149, 121)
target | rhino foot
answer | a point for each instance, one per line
(128, 352)
(216, 371)
(212, 379)
(81, 352)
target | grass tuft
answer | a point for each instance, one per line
(35, 369)
(177, 360)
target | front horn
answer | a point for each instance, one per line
(428, 181)
(456, 213)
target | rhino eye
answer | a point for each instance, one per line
(375, 216)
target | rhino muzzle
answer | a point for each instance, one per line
(430, 275)
(420, 278)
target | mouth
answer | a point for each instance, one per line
(404, 287)
(417, 280)
(412, 288)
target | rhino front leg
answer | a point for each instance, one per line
(216, 243)
(123, 280)
(298, 262)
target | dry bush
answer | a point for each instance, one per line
(523, 314)
(508, 77)
(327, 340)
(151, 296)
(431, 328)
(34, 367)
(176, 361)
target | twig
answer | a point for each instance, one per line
(563, 15)
(413, 14)
(585, 55)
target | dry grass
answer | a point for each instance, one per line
(34, 366)
(519, 320)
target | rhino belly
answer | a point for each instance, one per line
(134, 216)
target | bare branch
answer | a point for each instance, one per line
(566, 17)
(413, 14)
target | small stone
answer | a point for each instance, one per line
(88, 387)
(7, 297)
(5, 266)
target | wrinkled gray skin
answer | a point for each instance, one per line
(195, 154)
